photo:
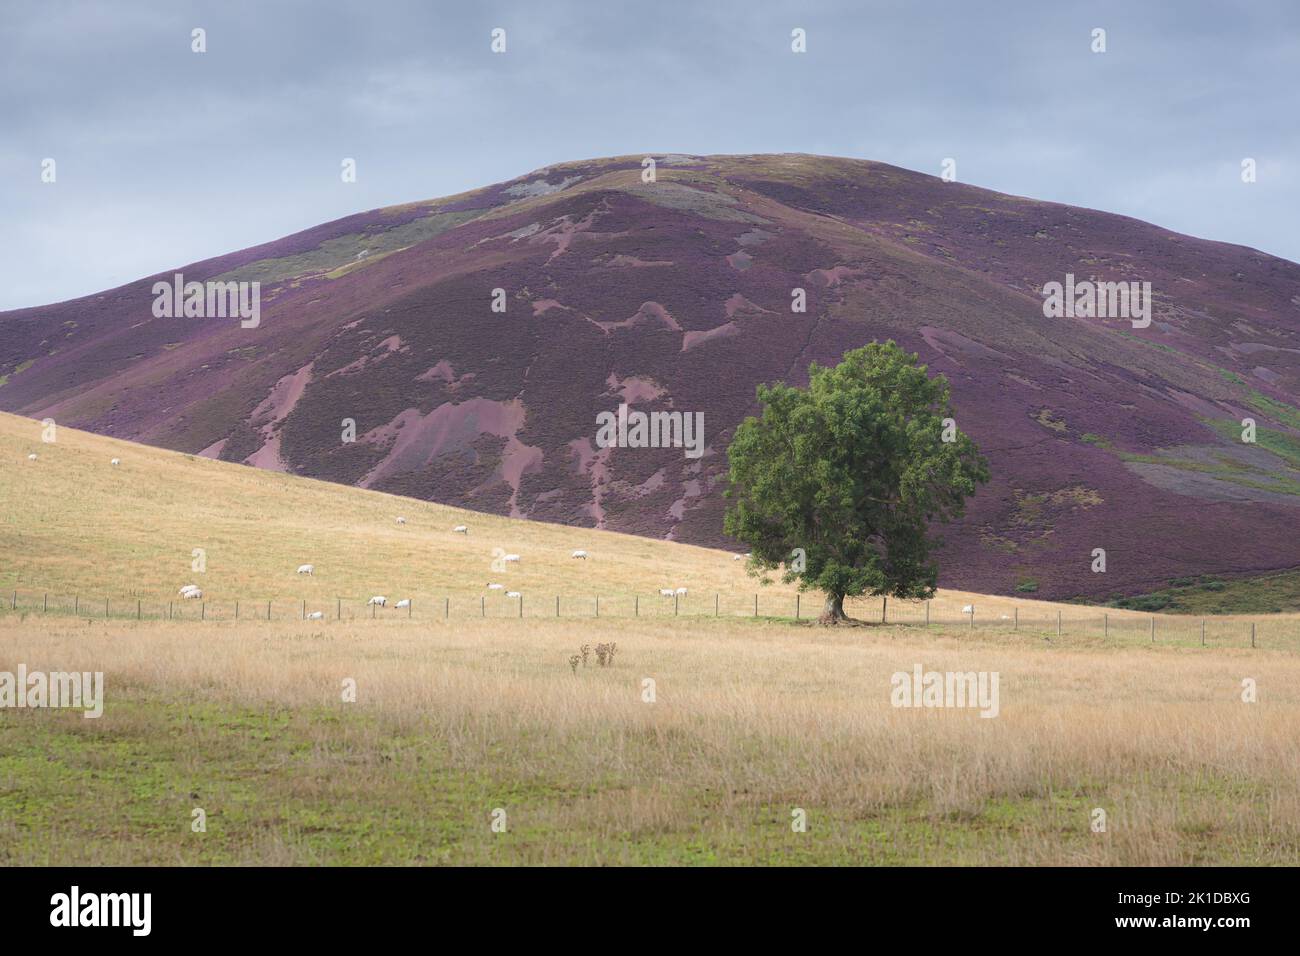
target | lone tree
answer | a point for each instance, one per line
(851, 471)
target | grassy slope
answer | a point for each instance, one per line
(455, 718)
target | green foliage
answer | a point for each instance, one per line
(853, 470)
(1027, 586)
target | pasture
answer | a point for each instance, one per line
(402, 739)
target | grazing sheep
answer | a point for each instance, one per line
(32, 456)
(495, 587)
(681, 592)
(196, 593)
(315, 616)
(513, 594)
(460, 529)
(404, 602)
(401, 520)
(306, 569)
(116, 461)
(737, 557)
(512, 558)
(666, 592)
(187, 589)
(378, 600)
(580, 554)
(968, 609)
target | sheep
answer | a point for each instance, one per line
(32, 456)
(580, 554)
(666, 592)
(968, 609)
(196, 593)
(460, 529)
(1004, 617)
(316, 616)
(513, 594)
(187, 589)
(378, 600)
(512, 558)
(401, 520)
(306, 569)
(495, 587)
(737, 557)
(680, 592)
(404, 602)
(116, 461)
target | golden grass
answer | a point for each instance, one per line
(750, 721)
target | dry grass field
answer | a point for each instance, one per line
(456, 717)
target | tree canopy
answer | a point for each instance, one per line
(840, 482)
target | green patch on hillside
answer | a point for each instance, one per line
(1267, 594)
(356, 249)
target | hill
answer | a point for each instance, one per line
(677, 295)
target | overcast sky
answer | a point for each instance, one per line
(165, 156)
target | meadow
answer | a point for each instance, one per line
(405, 739)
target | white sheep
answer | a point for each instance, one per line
(512, 558)
(306, 569)
(666, 592)
(737, 557)
(405, 602)
(680, 592)
(460, 529)
(196, 593)
(315, 616)
(32, 456)
(580, 554)
(116, 461)
(378, 600)
(401, 520)
(968, 609)
(495, 587)
(187, 589)
(513, 594)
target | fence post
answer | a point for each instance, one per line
(676, 598)
(1153, 629)
(46, 606)
(482, 606)
(927, 613)
(1058, 623)
(1105, 624)
(76, 604)
(557, 606)
(796, 606)
(372, 611)
(137, 609)
(715, 603)
(410, 608)
(521, 605)
(755, 605)
(1202, 632)
(446, 608)
(1016, 612)
(304, 610)
(236, 610)
(972, 618)
(884, 607)
(636, 606)
(105, 608)
(268, 610)
(1252, 633)
(203, 610)
(169, 610)
(14, 605)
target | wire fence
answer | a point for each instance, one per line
(1090, 623)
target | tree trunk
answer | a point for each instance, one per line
(833, 610)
